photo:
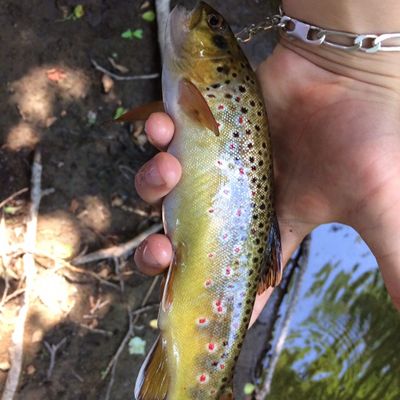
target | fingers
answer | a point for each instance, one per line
(160, 130)
(154, 254)
(157, 177)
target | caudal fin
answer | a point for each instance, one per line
(153, 380)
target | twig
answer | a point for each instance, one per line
(133, 317)
(11, 296)
(162, 11)
(123, 250)
(96, 330)
(144, 309)
(265, 389)
(16, 351)
(53, 349)
(118, 267)
(121, 77)
(12, 197)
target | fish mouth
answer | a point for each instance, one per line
(180, 22)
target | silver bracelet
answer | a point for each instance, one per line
(317, 36)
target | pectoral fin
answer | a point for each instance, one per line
(153, 380)
(271, 273)
(195, 105)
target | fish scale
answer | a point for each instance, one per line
(220, 217)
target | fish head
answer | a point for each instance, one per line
(196, 40)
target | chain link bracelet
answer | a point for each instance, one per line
(317, 36)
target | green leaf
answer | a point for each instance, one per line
(79, 11)
(119, 112)
(138, 33)
(149, 16)
(11, 210)
(248, 389)
(137, 346)
(130, 34)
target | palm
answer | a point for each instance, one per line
(336, 146)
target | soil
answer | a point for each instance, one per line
(55, 100)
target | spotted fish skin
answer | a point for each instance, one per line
(220, 217)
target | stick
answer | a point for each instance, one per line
(162, 11)
(96, 330)
(121, 77)
(52, 349)
(123, 250)
(12, 197)
(133, 317)
(16, 351)
(265, 389)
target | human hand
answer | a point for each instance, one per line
(336, 151)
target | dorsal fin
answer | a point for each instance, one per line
(271, 273)
(153, 380)
(195, 105)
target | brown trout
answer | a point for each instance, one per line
(220, 217)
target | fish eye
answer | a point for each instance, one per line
(215, 21)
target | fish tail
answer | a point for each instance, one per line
(153, 380)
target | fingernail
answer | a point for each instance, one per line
(148, 257)
(153, 177)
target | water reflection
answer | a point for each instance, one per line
(344, 339)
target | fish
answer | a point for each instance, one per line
(220, 217)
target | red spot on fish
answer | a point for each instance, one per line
(208, 283)
(239, 212)
(241, 171)
(237, 99)
(231, 146)
(228, 271)
(203, 378)
(237, 249)
(219, 162)
(210, 210)
(220, 309)
(211, 255)
(221, 107)
(202, 321)
(253, 193)
(225, 236)
(218, 124)
(212, 347)
(218, 303)
(221, 366)
(240, 120)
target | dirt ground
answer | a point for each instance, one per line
(54, 99)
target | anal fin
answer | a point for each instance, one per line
(153, 380)
(271, 273)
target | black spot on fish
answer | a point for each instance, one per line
(244, 110)
(252, 103)
(251, 159)
(242, 89)
(262, 206)
(220, 69)
(257, 128)
(255, 216)
(227, 82)
(228, 96)
(250, 146)
(234, 74)
(259, 113)
(235, 134)
(211, 96)
(220, 42)
(216, 85)
(248, 132)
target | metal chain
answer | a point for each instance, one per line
(317, 36)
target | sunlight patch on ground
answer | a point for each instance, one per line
(35, 93)
(22, 136)
(96, 214)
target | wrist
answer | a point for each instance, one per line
(351, 16)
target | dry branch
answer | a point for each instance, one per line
(12, 197)
(122, 77)
(301, 261)
(123, 250)
(53, 349)
(16, 351)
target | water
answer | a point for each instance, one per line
(344, 336)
